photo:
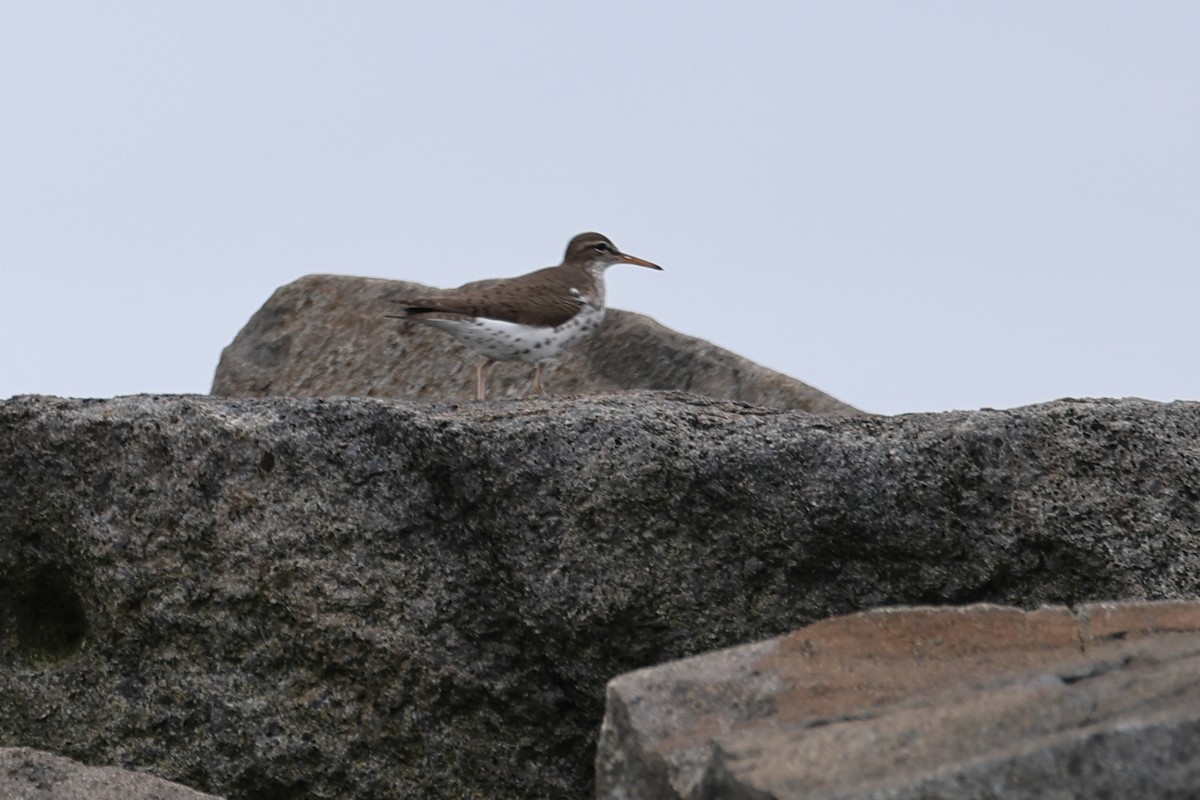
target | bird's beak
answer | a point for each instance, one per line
(639, 261)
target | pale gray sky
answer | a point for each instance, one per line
(910, 205)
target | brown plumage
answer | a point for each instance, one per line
(531, 317)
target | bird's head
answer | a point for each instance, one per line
(595, 251)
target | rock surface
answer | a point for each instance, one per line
(298, 598)
(925, 703)
(327, 335)
(27, 774)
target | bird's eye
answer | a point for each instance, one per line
(601, 246)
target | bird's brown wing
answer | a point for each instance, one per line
(512, 300)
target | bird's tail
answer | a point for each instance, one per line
(412, 308)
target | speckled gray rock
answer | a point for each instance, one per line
(377, 599)
(979, 702)
(328, 335)
(27, 774)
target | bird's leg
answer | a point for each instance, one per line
(480, 369)
(537, 379)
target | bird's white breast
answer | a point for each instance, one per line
(512, 341)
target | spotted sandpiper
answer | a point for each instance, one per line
(530, 318)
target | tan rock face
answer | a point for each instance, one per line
(979, 701)
(328, 335)
(27, 774)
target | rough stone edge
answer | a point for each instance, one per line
(688, 775)
(54, 777)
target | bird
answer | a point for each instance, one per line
(530, 318)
